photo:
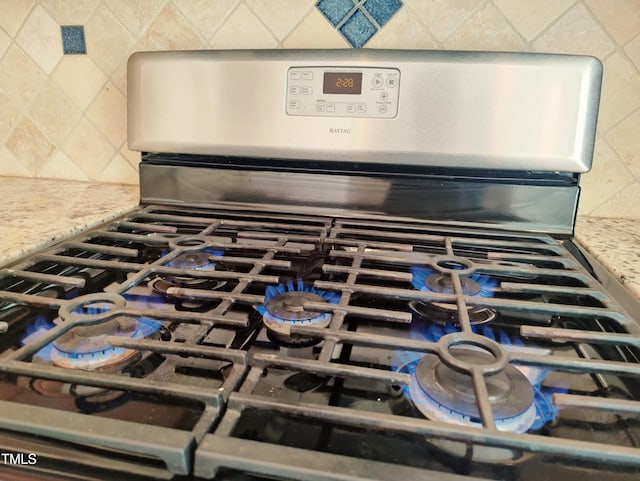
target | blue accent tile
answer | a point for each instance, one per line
(73, 40)
(382, 10)
(358, 29)
(335, 10)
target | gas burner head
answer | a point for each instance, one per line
(194, 261)
(444, 313)
(285, 307)
(86, 347)
(440, 280)
(444, 394)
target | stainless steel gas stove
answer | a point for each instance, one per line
(346, 265)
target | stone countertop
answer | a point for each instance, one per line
(616, 244)
(35, 213)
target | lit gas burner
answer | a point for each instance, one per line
(443, 394)
(284, 307)
(432, 280)
(84, 346)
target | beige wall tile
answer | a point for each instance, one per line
(576, 32)
(632, 49)
(119, 77)
(10, 166)
(620, 91)
(171, 31)
(443, 17)
(403, 30)
(625, 140)
(20, 77)
(205, 15)
(530, 17)
(54, 113)
(59, 166)
(108, 41)
(9, 115)
(314, 32)
(136, 15)
(119, 171)
(243, 30)
(70, 14)
(88, 147)
(29, 145)
(109, 114)
(280, 16)
(621, 18)
(607, 177)
(488, 29)
(79, 78)
(5, 41)
(131, 156)
(41, 38)
(13, 14)
(623, 205)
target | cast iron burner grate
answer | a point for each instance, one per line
(567, 338)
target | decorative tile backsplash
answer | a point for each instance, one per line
(63, 112)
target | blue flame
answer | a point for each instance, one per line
(34, 330)
(407, 361)
(420, 275)
(296, 286)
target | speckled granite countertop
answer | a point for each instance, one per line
(616, 244)
(35, 213)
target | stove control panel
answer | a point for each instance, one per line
(343, 92)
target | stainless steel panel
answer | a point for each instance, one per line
(520, 111)
(526, 207)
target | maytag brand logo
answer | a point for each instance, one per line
(339, 131)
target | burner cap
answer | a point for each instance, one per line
(443, 283)
(444, 394)
(191, 260)
(444, 313)
(284, 307)
(86, 347)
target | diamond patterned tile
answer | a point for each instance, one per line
(205, 15)
(20, 77)
(621, 18)
(53, 112)
(73, 42)
(108, 41)
(29, 145)
(170, 30)
(90, 147)
(5, 41)
(444, 17)
(314, 32)
(620, 91)
(280, 16)
(625, 141)
(9, 115)
(13, 14)
(358, 29)
(530, 17)
(576, 32)
(381, 10)
(10, 166)
(243, 29)
(403, 30)
(488, 29)
(79, 78)
(64, 14)
(335, 10)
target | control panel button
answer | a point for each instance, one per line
(383, 109)
(294, 75)
(294, 104)
(361, 108)
(294, 90)
(307, 75)
(306, 90)
(391, 82)
(384, 96)
(351, 108)
(320, 107)
(331, 108)
(377, 81)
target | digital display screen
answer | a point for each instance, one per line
(342, 83)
